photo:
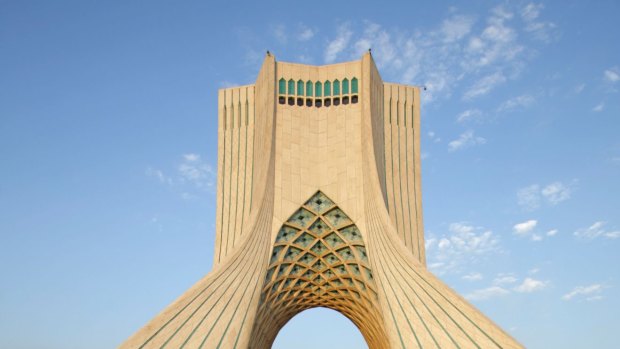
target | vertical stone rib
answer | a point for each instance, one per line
(406, 130)
(417, 177)
(402, 168)
(237, 168)
(231, 169)
(221, 160)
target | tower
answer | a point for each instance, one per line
(319, 204)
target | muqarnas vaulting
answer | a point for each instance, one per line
(319, 205)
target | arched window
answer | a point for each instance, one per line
(282, 86)
(336, 87)
(354, 85)
(317, 89)
(345, 86)
(300, 88)
(328, 89)
(309, 88)
(291, 87)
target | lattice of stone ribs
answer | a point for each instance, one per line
(319, 259)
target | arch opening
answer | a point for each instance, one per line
(319, 328)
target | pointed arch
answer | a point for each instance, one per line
(309, 89)
(282, 86)
(291, 87)
(300, 88)
(319, 259)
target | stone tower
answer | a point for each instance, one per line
(319, 205)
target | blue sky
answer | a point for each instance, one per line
(108, 151)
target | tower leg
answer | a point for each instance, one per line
(219, 310)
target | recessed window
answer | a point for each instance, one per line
(354, 99)
(354, 85)
(282, 100)
(345, 100)
(336, 88)
(328, 102)
(317, 89)
(328, 89)
(300, 88)
(291, 87)
(308, 102)
(318, 103)
(300, 102)
(345, 86)
(336, 101)
(282, 86)
(309, 89)
(291, 101)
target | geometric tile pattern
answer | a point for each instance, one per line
(319, 259)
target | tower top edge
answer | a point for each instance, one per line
(359, 61)
(235, 87)
(388, 83)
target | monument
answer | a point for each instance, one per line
(319, 204)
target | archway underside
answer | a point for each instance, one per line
(319, 260)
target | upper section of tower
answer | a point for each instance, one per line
(336, 128)
(318, 86)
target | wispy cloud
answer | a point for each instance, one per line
(192, 173)
(338, 44)
(579, 88)
(505, 279)
(516, 103)
(484, 85)
(463, 244)
(279, 32)
(599, 107)
(597, 230)
(469, 114)
(380, 40)
(504, 283)
(151, 172)
(530, 285)
(590, 293)
(193, 170)
(529, 197)
(486, 293)
(556, 192)
(532, 196)
(472, 277)
(305, 33)
(496, 45)
(525, 227)
(612, 75)
(541, 30)
(465, 140)
(456, 27)
(433, 136)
